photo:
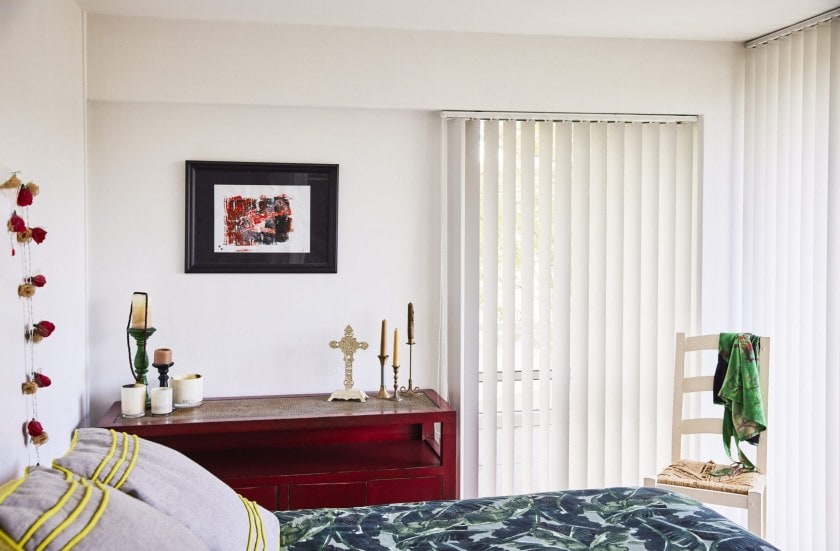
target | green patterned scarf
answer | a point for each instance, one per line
(741, 393)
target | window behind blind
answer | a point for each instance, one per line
(581, 242)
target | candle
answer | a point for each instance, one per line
(141, 314)
(161, 400)
(396, 347)
(411, 323)
(133, 400)
(382, 347)
(163, 356)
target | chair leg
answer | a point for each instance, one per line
(650, 482)
(755, 513)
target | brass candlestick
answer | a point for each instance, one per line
(382, 394)
(411, 388)
(396, 396)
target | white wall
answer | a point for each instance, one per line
(42, 114)
(256, 334)
(166, 91)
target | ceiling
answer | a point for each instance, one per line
(727, 20)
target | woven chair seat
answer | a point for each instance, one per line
(696, 474)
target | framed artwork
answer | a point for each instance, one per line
(261, 217)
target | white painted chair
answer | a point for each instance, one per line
(686, 476)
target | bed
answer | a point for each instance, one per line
(608, 519)
(117, 491)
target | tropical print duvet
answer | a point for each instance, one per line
(609, 519)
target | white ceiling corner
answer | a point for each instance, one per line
(719, 20)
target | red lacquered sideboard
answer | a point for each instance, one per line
(301, 451)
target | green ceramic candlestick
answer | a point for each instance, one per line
(141, 358)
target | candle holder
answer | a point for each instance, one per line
(396, 396)
(411, 388)
(382, 394)
(141, 359)
(163, 373)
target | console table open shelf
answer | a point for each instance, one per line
(301, 451)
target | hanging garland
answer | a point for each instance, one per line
(22, 234)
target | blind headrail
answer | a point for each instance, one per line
(790, 29)
(567, 117)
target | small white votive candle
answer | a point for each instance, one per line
(133, 400)
(161, 400)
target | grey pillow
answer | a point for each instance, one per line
(173, 484)
(52, 509)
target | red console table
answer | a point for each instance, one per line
(295, 452)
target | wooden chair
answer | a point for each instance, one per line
(688, 477)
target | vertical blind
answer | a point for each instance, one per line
(791, 269)
(587, 263)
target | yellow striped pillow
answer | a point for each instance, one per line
(47, 509)
(173, 484)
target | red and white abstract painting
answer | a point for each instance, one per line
(261, 219)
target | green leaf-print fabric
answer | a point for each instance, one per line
(610, 519)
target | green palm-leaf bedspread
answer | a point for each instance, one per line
(610, 519)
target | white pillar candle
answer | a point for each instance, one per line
(141, 314)
(133, 400)
(188, 390)
(161, 400)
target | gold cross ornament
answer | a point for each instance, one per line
(348, 345)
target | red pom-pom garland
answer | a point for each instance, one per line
(20, 232)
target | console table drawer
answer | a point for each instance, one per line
(310, 496)
(397, 490)
(263, 495)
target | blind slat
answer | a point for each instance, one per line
(508, 289)
(666, 286)
(526, 253)
(579, 307)
(489, 292)
(648, 397)
(832, 388)
(597, 278)
(544, 232)
(561, 298)
(614, 297)
(632, 306)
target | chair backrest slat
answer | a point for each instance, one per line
(701, 425)
(698, 384)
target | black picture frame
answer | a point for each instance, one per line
(246, 217)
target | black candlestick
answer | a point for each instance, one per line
(163, 373)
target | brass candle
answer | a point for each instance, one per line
(411, 389)
(396, 366)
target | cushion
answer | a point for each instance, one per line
(47, 509)
(173, 484)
